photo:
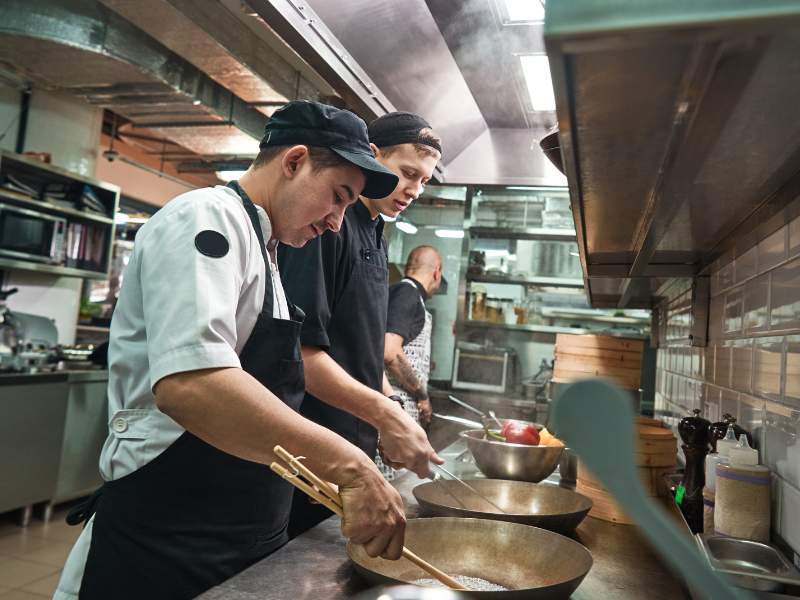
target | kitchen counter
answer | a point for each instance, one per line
(83, 375)
(52, 426)
(315, 565)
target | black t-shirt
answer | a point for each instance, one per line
(406, 315)
(341, 282)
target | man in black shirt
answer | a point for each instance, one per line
(407, 349)
(340, 280)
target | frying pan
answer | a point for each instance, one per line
(533, 563)
(545, 506)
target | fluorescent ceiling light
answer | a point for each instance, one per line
(406, 227)
(525, 10)
(525, 188)
(450, 233)
(120, 218)
(537, 76)
(387, 218)
(227, 176)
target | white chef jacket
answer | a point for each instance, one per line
(179, 310)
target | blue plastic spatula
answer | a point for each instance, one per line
(596, 419)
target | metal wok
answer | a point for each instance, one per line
(502, 460)
(532, 563)
(545, 506)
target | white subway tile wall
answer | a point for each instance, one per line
(751, 365)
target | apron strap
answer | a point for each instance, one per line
(81, 513)
(250, 208)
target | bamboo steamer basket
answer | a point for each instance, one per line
(655, 457)
(580, 356)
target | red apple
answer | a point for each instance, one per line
(516, 432)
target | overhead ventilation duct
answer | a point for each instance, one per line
(83, 48)
(230, 45)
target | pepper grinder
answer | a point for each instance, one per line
(694, 434)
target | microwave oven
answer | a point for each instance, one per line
(485, 370)
(31, 235)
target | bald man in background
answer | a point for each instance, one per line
(407, 350)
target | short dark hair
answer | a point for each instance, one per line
(321, 157)
(423, 146)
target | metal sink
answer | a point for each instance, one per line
(752, 565)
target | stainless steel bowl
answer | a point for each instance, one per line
(533, 563)
(501, 460)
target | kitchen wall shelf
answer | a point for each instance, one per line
(527, 233)
(88, 206)
(42, 205)
(93, 328)
(525, 328)
(25, 265)
(541, 281)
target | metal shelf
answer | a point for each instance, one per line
(93, 328)
(589, 314)
(700, 159)
(523, 233)
(545, 281)
(526, 328)
(10, 263)
(44, 205)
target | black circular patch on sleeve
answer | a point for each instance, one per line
(211, 243)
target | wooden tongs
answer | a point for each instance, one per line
(326, 494)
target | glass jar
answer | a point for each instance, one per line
(521, 312)
(478, 312)
(493, 311)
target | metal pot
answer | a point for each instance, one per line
(535, 564)
(501, 460)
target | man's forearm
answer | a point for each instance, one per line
(232, 411)
(388, 390)
(329, 382)
(401, 371)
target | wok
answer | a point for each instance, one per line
(545, 506)
(533, 563)
(502, 460)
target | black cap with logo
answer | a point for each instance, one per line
(315, 124)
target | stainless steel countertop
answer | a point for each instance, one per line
(81, 376)
(315, 565)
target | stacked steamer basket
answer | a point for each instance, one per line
(656, 453)
(619, 360)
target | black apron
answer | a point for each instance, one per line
(195, 515)
(356, 330)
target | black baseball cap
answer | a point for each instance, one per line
(401, 128)
(316, 124)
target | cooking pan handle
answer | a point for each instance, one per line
(467, 406)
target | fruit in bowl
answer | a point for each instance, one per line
(520, 432)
